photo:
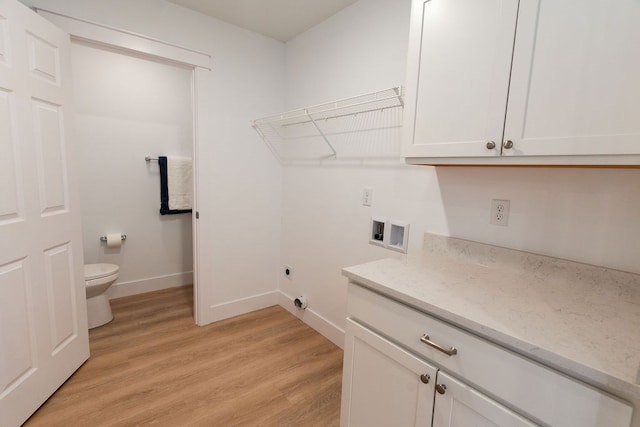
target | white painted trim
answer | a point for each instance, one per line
(329, 330)
(229, 309)
(200, 101)
(110, 36)
(150, 284)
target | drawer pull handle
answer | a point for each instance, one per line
(425, 378)
(448, 351)
(441, 388)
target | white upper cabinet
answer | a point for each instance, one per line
(575, 86)
(459, 64)
(523, 82)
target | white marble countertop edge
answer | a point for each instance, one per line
(531, 350)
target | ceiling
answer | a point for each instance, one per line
(278, 19)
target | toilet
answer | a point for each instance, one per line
(98, 278)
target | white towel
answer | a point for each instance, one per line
(180, 182)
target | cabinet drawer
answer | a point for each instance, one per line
(532, 389)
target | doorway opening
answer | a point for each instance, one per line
(128, 106)
(140, 47)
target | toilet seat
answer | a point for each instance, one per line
(99, 271)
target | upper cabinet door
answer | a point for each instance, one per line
(458, 76)
(575, 86)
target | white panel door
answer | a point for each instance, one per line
(458, 76)
(382, 384)
(575, 88)
(43, 320)
(458, 405)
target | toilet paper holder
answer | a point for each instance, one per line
(122, 237)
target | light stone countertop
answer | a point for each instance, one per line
(580, 319)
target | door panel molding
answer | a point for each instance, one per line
(43, 321)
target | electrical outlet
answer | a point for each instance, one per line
(367, 196)
(499, 212)
(288, 272)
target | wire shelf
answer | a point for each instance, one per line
(364, 126)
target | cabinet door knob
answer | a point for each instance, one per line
(508, 144)
(491, 145)
(425, 378)
(441, 388)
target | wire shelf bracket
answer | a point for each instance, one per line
(322, 131)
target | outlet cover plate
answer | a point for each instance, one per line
(367, 196)
(499, 212)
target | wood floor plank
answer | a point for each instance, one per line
(153, 365)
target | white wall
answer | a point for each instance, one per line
(361, 49)
(128, 107)
(588, 215)
(582, 214)
(240, 180)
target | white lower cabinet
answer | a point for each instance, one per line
(457, 404)
(403, 367)
(384, 385)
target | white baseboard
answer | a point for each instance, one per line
(150, 284)
(235, 308)
(330, 331)
(229, 309)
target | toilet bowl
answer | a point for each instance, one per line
(98, 278)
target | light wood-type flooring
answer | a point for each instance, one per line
(153, 365)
